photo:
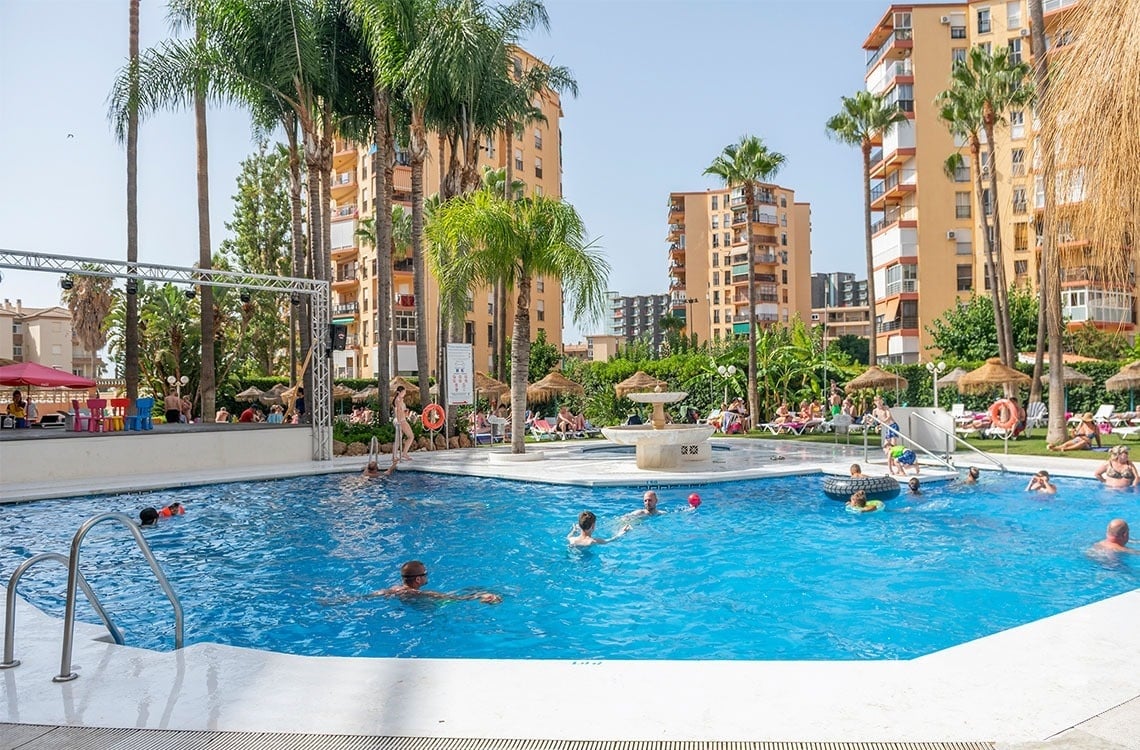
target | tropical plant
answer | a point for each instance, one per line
(968, 331)
(90, 300)
(512, 242)
(863, 118)
(745, 165)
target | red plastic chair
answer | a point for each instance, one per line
(97, 422)
(117, 417)
(80, 420)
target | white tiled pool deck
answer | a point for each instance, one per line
(1074, 677)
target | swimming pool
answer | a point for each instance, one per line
(765, 569)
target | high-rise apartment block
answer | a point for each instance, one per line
(536, 153)
(839, 305)
(637, 316)
(708, 236)
(927, 239)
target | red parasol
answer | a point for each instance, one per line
(30, 373)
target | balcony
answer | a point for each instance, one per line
(763, 217)
(1050, 6)
(903, 286)
(676, 211)
(908, 323)
(342, 185)
(676, 252)
(898, 40)
(347, 211)
(404, 300)
(739, 217)
(346, 308)
(893, 188)
(675, 231)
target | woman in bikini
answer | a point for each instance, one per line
(400, 420)
(1083, 437)
(1118, 470)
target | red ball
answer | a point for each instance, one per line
(694, 500)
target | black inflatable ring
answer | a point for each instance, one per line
(877, 488)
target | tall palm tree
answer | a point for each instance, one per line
(862, 119)
(90, 300)
(998, 84)
(744, 165)
(131, 372)
(512, 242)
(961, 110)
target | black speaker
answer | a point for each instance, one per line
(339, 336)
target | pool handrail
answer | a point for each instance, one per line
(73, 574)
(959, 439)
(10, 659)
(894, 428)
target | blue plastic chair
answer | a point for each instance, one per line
(143, 418)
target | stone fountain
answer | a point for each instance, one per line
(659, 445)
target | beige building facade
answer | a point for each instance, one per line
(928, 242)
(536, 155)
(708, 259)
(42, 335)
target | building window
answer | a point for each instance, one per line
(538, 166)
(1019, 204)
(714, 206)
(405, 327)
(962, 205)
(958, 54)
(539, 285)
(1013, 14)
(1015, 51)
(518, 68)
(957, 32)
(963, 244)
(518, 159)
(716, 297)
(1017, 124)
(784, 238)
(1021, 237)
(715, 241)
(965, 278)
(1020, 267)
(490, 147)
(538, 139)
(986, 47)
(716, 260)
(716, 316)
(1017, 159)
(538, 191)
(716, 222)
(727, 260)
(902, 96)
(983, 20)
(726, 220)
(716, 278)
(987, 202)
(783, 277)
(540, 308)
(962, 170)
(783, 220)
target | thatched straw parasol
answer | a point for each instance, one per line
(951, 378)
(1069, 376)
(875, 377)
(341, 392)
(252, 393)
(1125, 380)
(273, 395)
(992, 373)
(484, 383)
(368, 394)
(413, 396)
(553, 384)
(638, 382)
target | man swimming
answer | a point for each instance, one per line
(649, 499)
(1116, 538)
(413, 575)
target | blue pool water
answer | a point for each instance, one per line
(766, 569)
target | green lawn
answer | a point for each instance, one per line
(1031, 446)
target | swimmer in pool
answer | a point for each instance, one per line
(413, 575)
(972, 475)
(913, 486)
(649, 499)
(1116, 538)
(859, 503)
(582, 534)
(1039, 482)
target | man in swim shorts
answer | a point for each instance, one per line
(1116, 538)
(413, 575)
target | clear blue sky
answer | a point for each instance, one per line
(665, 85)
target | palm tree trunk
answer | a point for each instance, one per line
(206, 382)
(418, 148)
(132, 333)
(753, 396)
(991, 263)
(382, 158)
(520, 364)
(500, 327)
(872, 344)
(1050, 294)
(1003, 280)
(297, 215)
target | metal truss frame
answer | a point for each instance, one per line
(319, 403)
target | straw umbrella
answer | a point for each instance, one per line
(1069, 376)
(992, 373)
(1126, 380)
(951, 378)
(876, 377)
(638, 382)
(413, 391)
(252, 393)
(553, 384)
(272, 397)
(368, 394)
(494, 389)
(341, 392)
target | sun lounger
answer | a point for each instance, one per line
(540, 430)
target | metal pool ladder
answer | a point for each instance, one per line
(76, 580)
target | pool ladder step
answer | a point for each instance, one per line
(75, 582)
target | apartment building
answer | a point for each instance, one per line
(839, 305)
(708, 259)
(42, 335)
(637, 316)
(536, 151)
(927, 239)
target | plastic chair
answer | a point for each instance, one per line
(143, 418)
(97, 421)
(79, 422)
(116, 420)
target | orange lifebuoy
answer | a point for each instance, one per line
(1010, 421)
(433, 416)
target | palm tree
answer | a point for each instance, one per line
(744, 165)
(132, 136)
(90, 300)
(512, 242)
(864, 118)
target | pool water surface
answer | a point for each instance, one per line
(764, 569)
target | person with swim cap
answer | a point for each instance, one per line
(582, 533)
(148, 517)
(413, 576)
(1116, 538)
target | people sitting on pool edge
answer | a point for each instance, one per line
(1116, 538)
(1085, 434)
(1118, 470)
(582, 534)
(413, 575)
(972, 475)
(1039, 482)
(860, 504)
